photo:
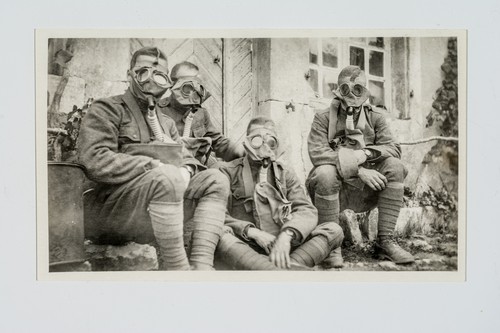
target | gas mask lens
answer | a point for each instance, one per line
(187, 88)
(357, 90)
(145, 73)
(258, 140)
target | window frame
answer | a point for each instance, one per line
(344, 44)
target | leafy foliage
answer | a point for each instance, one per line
(442, 200)
(445, 105)
(61, 146)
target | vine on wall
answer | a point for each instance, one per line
(445, 105)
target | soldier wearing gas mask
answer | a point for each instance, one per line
(193, 121)
(142, 195)
(357, 163)
(271, 223)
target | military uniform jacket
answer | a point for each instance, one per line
(240, 217)
(375, 132)
(112, 123)
(202, 127)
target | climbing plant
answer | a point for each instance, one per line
(445, 106)
(61, 144)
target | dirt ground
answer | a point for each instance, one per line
(434, 252)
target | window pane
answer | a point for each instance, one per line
(357, 57)
(376, 63)
(313, 51)
(313, 79)
(330, 52)
(376, 92)
(376, 41)
(329, 83)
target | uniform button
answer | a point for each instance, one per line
(134, 136)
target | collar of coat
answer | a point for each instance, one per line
(132, 104)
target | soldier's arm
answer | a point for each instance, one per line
(317, 142)
(97, 146)
(304, 214)
(223, 146)
(239, 227)
(385, 144)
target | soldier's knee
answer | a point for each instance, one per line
(324, 179)
(332, 231)
(167, 181)
(226, 241)
(394, 170)
(218, 183)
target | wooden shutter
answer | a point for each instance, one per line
(206, 53)
(226, 69)
(238, 96)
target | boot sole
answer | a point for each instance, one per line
(381, 256)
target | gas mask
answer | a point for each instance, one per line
(352, 89)
(261, 145)
(352, 92)
(188, 91)
(149, 82)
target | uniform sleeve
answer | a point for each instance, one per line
(223, 147)
(97, 146)
(385, 145)
(239, 227)
(304, 214)
(319, 149)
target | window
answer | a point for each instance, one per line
(327, 56)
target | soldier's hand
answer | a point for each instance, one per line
(372, 178)
(263, 239)
(227, 230)
(280, 253)
(360, 156)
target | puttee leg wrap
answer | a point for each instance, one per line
(390, 201)
(241, 256)
(166, 219)
(328, 207)
(208, 220)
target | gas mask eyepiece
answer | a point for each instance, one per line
(352, 89)
(145, 74)
(257, 141)
(189, 91)
(356, 89)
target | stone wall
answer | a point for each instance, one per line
(280, 68)
(98, 69)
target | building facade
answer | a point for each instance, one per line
(284, 78)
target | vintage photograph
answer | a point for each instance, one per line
(318, 151)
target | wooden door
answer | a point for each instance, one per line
(238, 83)
(226, 69)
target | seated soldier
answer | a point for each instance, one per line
(357, 163)
(141, 193)
(273, 222)
(193, 121)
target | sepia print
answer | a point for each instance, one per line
(327, 153)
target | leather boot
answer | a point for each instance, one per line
(390, 201)
(334, 259)
(387, 248)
